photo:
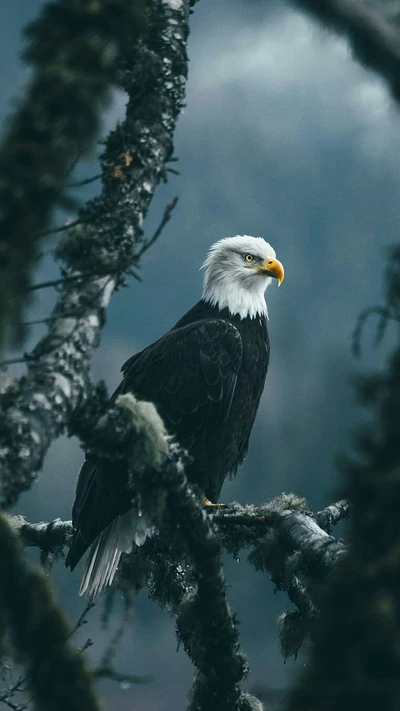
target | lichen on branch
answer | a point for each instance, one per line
(57, 382)
(73, 50)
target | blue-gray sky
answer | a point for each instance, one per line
(286, 137)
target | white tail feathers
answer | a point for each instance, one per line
(106, 551)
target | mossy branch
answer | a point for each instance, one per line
(105, 244)
(74, 49)
(56, 672)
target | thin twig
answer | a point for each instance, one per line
(166, 218)
(333, 514)
(110, 651)
(62, 228)
(82, 617)
(47, 320)
(86, 181)
(56, 282)
(6, 694)
(104, 673)
(384, 313)
(31, 358)
(16, 686)
(86, 645)
(106, 666)
(14, 707)
(12, 361)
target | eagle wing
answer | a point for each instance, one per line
(190, 375)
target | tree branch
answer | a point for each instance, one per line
(73, 50)
(169, 503)
(50, 537)
(166, 218)
(375, 41)
(134, 158)
(86, 181)
(286, 541)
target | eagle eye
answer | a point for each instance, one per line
(249, 258)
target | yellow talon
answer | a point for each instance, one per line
(207, 502)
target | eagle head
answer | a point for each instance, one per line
(237, 273)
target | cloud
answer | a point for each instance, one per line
(286, 74)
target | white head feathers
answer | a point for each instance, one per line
(237, 273)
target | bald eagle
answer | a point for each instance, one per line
(205, 377)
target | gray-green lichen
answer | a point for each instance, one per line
(133, 162)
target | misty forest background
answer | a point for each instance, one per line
(284, 136)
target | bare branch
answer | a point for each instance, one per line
(82, 183)
(385, 314)
(46, 536)
(63, 228)
(333, 514)
(106, 669)
(58, 282)
(166, 218)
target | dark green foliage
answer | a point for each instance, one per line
(73, 50)
(56, 672)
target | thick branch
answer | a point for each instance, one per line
(333, 514)
(204, 621)
(374, 41)
(302, 533)
(133, 162)
(288, 543)
(49, 537)
(237, 527)
(298, 530)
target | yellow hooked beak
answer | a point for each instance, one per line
(274, 268)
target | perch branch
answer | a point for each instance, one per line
(256, 520)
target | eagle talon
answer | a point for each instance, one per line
(207, 502)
